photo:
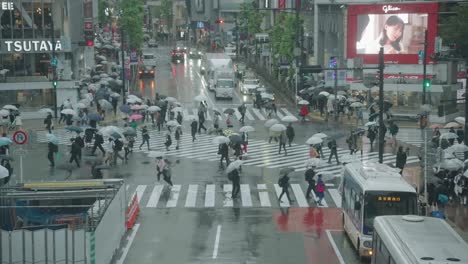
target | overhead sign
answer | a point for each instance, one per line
(20, 137)
(200, 24)
(29, 46)
(88, 25)
(8, 6)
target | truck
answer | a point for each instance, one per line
(215, 62)
(224, 83)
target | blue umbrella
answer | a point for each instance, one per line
(74, 129)
(5, 141)
(125, 109)
(94, 117)
(52, 138)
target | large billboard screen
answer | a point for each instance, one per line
(398, 28)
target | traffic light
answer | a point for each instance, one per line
(427, 84)
(89, 43)
(219, 21)
(54, 83)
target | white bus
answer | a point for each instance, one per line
(369, 190)
(412, 239)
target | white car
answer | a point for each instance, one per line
(249, 86)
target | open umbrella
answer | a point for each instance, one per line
(460, 120)
(10, 107)
(68, 112)
(228, 132)
(320, 135)
(170, 99)
(452, 125)
(368, 124)
(324, 93)
(434, 126)
(80, 105)
(234, 165)
(177, 109)
(108, 130)
(289, 119)
(220, 140)
(129, 132)
(74, 129)
(271, 122)
(172, 123)
(451, 164)
(313, 162)
(286, 170)
(52, 138)
(347, 158)
(267, 96)
(261, 89)
(278, 128)
(426, 108)
(235, 138)
(4, 112)
(115, 95)
(200, 98)
(136, 117)
(4, 173)
(155, 154)
(153, 109)
(449, 135)
(45, 110)
(356, 104)
(314, 141)
(125, 109)
(247, 129)
(136, 107)
(457, 148)
(216, 112)
(229, 111)
(94, 117)
(105, 104)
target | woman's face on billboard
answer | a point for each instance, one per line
(394, 32)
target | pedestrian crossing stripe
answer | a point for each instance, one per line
(259, 152)
(205, 196)
(251, 114)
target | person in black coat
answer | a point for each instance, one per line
(401, 157)
(201, 120)
(224, 151)
(145, 137)
(283, 182)
(193, 127)
(371, 136)
(75, 149)
(333, 151)
(235, 178)
(48, 122)
(461, 135)
(290, 133)
(178, 118)
(51, 149)
(69, 120)
(309, 177)
(79, 140)
(98, 141)
(177, 136)
(168, 142)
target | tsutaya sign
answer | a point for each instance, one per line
(29, 46)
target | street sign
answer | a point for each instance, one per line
(20, 137)
(133, 56)
(88, 25)
(200, 24)
(54, 62)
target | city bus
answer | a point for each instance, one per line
(412, 239)
(369, 190)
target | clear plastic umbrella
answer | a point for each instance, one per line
(52, 138)
(286, 170)
(278, 128)
(10, 107)
(460, 120)
(453, 125)
(200, 98)
(171, 99)
(177, 109)
(314, 141)
(370, 124)
(289, 119)
(220, 140)
(320, 135)
(45, 110)
(153, 109)
(356, 104)
(4, 112)
(303, 102)
(313, 162)
(449, 135)
(247, 129)
(271, 122)
(234, 165)
(68, 112)
(4, 173)
(172, 123)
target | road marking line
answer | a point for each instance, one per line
(245, 195)
(284, 200)
(191, 195)
(155, 195)
(335, 195)
(210, 195)
(335, 248)
(216, 245)
(263, 196)
(258, 114)
(300, 198)
(261, 186)
(174, 196)
(129, 243)
(249, 115)
(140, 190)
(238, 114)
(285, 110)
(227, 189)
(279, 114)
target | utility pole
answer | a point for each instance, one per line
(335, 77)
(424, 68)
(466, 113)
(53, 64)
(237, 36)
(123, 62)
(381, 105)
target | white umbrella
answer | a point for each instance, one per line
(320, 135)
(177, 109)
(451, 164)
(153, 109)
(347, 158)
(155, 154)
(4, 172)
(339, 97)
(10, 107)
(200, 98)
(144, 106)
(271, 122)
(220, 140)
(356, 104)
(303, 102)
(68, 112)
(457, 148)
(4, 112)
(170, 99)
(289, 119)
(103, 75)
(104, 62)
(80, 105)
(460, 119)
(328, 176)
(314, 141)
(278, 128)
(172, 123)
(105, 104)
(115, 95)
(452, 125)
(132, 96)
(324, 93)
(449, 135)
(45, 110)
(101, 57)
(313, 162)
(109, 130)
(247, 129)
(136, 107)
(370, 124)
(234, 165)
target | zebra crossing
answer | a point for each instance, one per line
(411, 136)
(219, 196)
(251, 114)
(260, 153)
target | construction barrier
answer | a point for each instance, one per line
(132, 212)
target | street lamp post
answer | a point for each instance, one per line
(123, 62)
(424, 69)
(53, 64)
(381, 105)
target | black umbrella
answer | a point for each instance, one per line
(94, 117)
(235, 139)
(216, 112)
(229, 111)
(129, 132)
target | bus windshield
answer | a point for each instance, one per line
(387, 203)
(225, 84)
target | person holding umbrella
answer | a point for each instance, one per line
(168, 142)
(283, 182)
(179, 118)
(48, 122)
(201, 120)
(290, 133)
(223, 149)
(282, 143)
(160, 166)
(242, 109)
(98, 141)
(194, 126)
(401, 157)
(304, 112)
(235, 178)
(52, 148)
(177, 136)
(333, 151)
(145, 137)
(320, 190)
(371, 136)
(74, 152)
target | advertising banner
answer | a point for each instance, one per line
(398, 28)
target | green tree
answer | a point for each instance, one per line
(250, 19)
(102, 6)
(454, 29)
(132, 22)
(283, 36)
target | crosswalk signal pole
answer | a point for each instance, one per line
(381, 105)
(53, 64)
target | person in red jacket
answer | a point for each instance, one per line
(304, 112)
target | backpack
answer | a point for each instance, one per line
(320, 187)
(118, 145)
